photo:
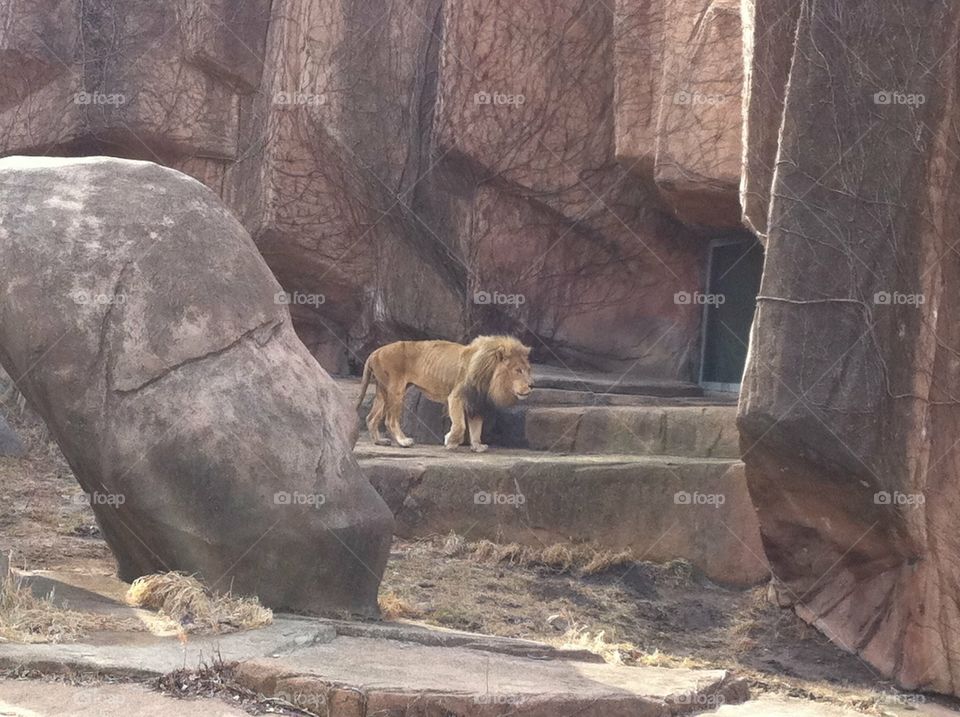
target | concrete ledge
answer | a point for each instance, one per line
(695, 431)
(353, 677)
(661, 508)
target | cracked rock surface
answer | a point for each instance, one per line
(145, 328)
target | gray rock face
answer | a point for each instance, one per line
(151, 339)
(10, 444)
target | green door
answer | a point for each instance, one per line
(733, 281)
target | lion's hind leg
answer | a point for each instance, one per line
(394, 412)
(375, 417)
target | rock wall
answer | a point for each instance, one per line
(849, 417)
(427, 168)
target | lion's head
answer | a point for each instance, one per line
(499, 371)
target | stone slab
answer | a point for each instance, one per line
(661, 508)
(34, 698)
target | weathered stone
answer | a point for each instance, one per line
(662, 508)
(396, 678)
(848, 416)
(638, 35)
(700, 432)
(533, 273)
(10, 443)
(42, 698)
(769, 27)
(154, 347)
(698, 136)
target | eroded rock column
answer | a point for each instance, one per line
(849, 414)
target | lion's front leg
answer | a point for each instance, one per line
(476, 430)
(455, 407)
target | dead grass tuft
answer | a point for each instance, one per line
(559, 557)
(564, 558)
(185, 600)
(28, 619)
(603, 560)
(453, 546)
(394, 607)
(597, 642)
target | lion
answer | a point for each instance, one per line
(490, 371)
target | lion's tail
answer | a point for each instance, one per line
(366, 382)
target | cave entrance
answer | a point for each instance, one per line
(734, 266)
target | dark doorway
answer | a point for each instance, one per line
(733, 280)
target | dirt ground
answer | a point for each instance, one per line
(630, 611)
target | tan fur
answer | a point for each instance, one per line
(489, 371)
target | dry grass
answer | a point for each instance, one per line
(394, 607)
(29, 619)
(615, 653)
(603, 560)
(564, 558)
(185, 600)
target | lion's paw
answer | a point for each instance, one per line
(405, 442)
(449, 442)
(479, 447)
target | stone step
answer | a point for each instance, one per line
(543, 396)
(682, 427)
(610, 383)
(659, 507)
(694, 431)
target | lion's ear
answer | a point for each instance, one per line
(501, 355)
(527, 350)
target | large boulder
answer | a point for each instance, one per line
(849, 418)
(151, 336)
